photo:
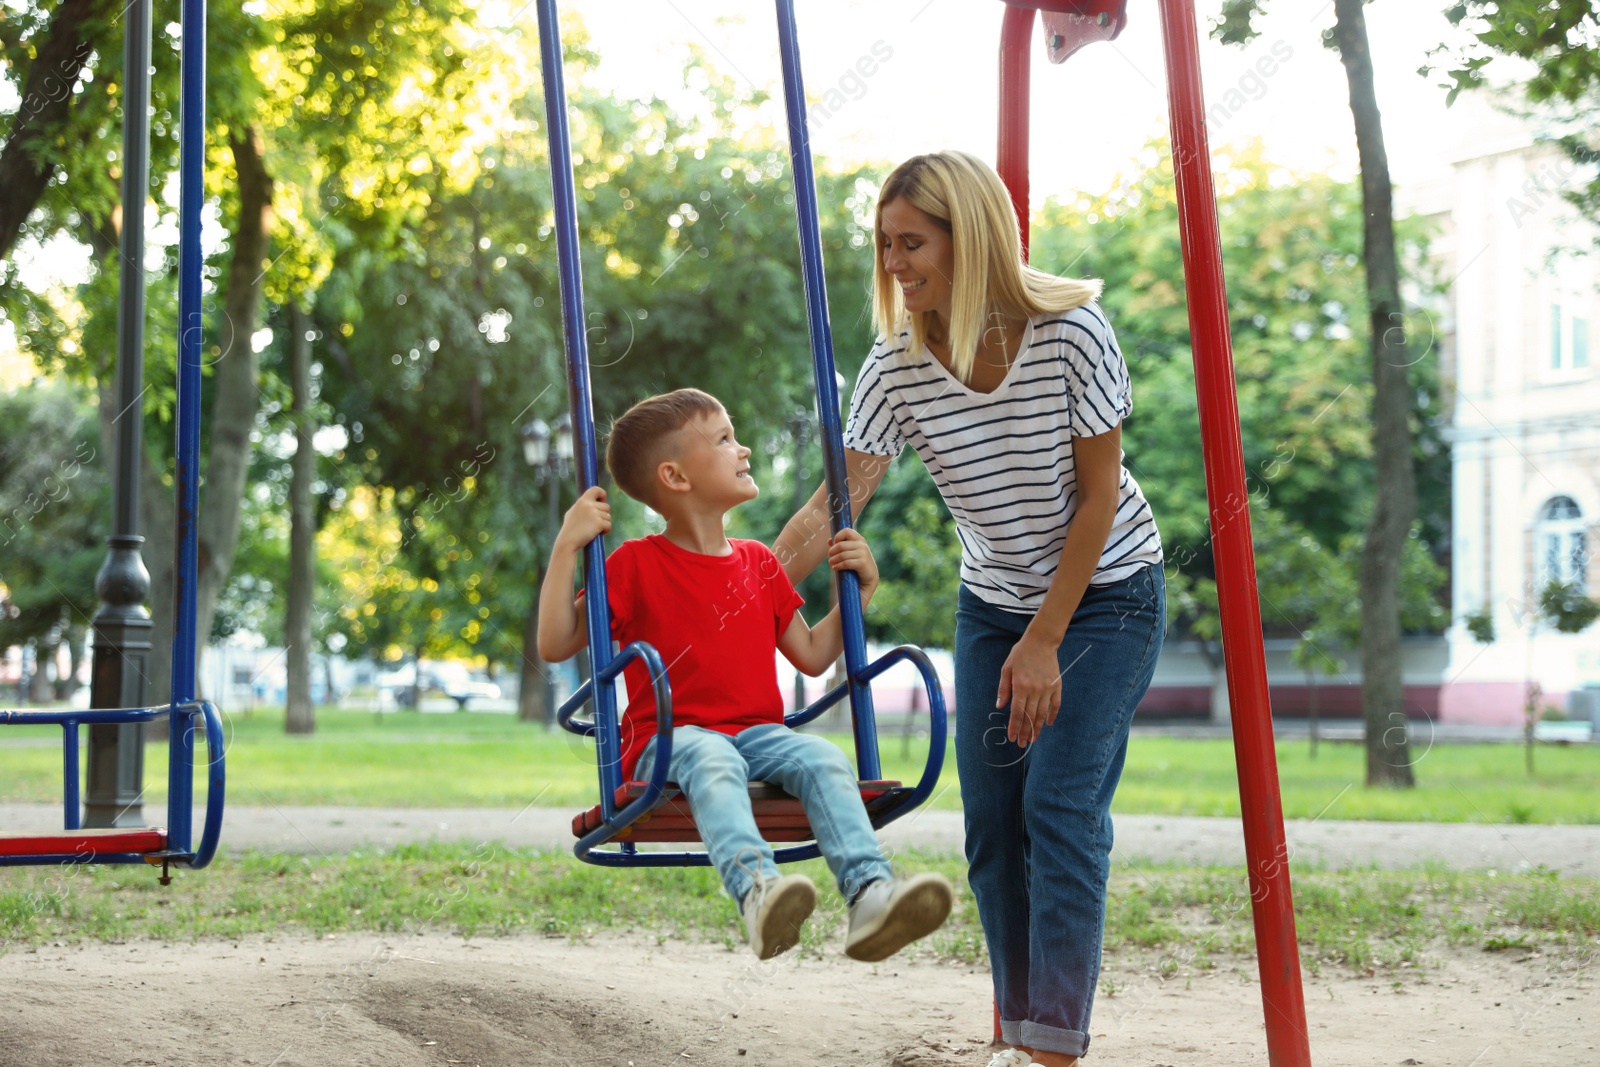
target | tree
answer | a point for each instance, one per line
(1388, 759)
(1561, 41)
(920, 608)
(684, 224)
(54, 515)
(45, 53)
(305, 106)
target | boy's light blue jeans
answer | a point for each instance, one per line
(714, 771)
(1038, 819)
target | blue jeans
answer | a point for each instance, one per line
(714, 771)
(1038, 820)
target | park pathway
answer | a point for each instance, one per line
(1179, 839)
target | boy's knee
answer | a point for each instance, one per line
(706, 758)
(833, 767)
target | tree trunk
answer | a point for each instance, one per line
(1315, 730)
(77, 640)
(78, 29)
(1388, 750)
(44, 666)
(416, 679)
(531, 688)
(235, 379)
(300, 715)
(330, 698)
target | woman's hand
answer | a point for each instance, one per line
(1031, 681)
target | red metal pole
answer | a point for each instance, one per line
(1011, 156)
(1266, 850)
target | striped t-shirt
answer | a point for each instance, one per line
(1003, 460)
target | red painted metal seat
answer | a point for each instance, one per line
(778, 814)
(85, 844)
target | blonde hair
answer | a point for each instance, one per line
(966, 197)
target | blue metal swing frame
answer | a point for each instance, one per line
(184, 710)
(604, 666)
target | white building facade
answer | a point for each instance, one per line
(1523, 381)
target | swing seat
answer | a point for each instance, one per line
(778, 814)
(161, 846)
(85, 846)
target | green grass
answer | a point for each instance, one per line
(477, 759)
(1455, 783)
(1190, 918)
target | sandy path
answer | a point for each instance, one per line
(433, 999)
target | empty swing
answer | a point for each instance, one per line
(170, 845)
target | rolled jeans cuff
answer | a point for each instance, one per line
(1011, 1032)
(1051, 1038)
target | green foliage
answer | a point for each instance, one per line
(1565, 607)
(1236, 24)
(1291, 253)
(1480, 624)
(55, 511)
(920, 607)
(1555, 46)
(1559, 38)
(456, 340)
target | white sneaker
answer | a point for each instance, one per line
(1011, 1057)
(890, 914)
(774, 911)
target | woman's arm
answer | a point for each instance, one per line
(804, 540)
(1031, 676)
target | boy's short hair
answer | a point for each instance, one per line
(637, 443)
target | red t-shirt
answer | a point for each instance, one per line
(715, 620)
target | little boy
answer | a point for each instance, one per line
(717, 609)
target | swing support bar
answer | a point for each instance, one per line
(1266, 848)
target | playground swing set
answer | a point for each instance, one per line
(632, 813)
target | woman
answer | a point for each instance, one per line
(1008, 382)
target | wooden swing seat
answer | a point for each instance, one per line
(778, 814)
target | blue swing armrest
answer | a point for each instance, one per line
(216, 785)
(936, 720)
(634, 810)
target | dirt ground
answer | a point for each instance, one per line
(433, 999)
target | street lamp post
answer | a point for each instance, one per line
(548, 453)
(122, 626)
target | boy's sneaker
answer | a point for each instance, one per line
(774, 911)
(891, 913)
(1011, 1057)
